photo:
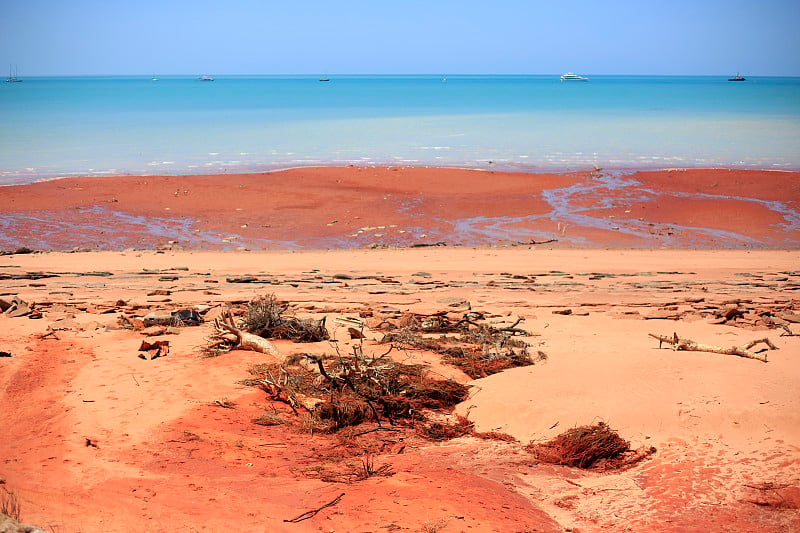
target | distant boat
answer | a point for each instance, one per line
(571, 76)
(737, 78)
(12, 75)
(153, 79)
(205, 78)
(324, 79)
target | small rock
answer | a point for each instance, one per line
(732, 311)
(153, 331)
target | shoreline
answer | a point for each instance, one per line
(490, 166)
(353, 207)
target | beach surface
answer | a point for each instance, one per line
(100, 436)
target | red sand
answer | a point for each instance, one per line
(96, 439)
(349, 207)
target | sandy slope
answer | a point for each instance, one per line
(97, 439)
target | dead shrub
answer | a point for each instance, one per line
(264, 316)
(356, 389)
(590, 447)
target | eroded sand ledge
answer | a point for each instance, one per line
(165, 456)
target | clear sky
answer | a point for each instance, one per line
(718, 37)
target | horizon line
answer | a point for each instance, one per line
(432, 74)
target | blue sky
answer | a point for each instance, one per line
(114, 37)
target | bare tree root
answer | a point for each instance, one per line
(692, 346)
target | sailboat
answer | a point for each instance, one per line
(12, 75)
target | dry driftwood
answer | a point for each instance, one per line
(692, 346)
(227, 334)
(225, 328)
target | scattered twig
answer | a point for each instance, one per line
(312, 513)
(379, 428)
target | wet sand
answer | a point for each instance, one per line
(96, 438)
(356, 207)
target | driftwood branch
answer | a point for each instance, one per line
(679, 343)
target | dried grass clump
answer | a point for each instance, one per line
(269, 419)
(591, 447)
(441, 431)
(343, 412)
(353, 472)
(264, 317)
(495, 435)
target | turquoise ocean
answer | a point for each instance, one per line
(51, 127)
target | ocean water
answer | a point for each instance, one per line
(52, 127)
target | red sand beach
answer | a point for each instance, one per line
(99, 436)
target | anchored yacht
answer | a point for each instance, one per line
(571, 76)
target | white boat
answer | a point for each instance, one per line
(205, 78)
(571, 76)
(13, 75)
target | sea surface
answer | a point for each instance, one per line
(62, 126)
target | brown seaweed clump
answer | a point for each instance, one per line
(596, 447)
